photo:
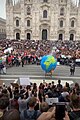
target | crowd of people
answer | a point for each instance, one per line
(23, 52)
(16, 52)
(65, 47)
(30, 102)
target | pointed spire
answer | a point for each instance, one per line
(79, 3)
(9, 2)
(76, 2)
(14, 2)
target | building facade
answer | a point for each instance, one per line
(2, 28)
(43, 19)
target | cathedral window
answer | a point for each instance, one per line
(61, 23)
(60, 36)
(62, 11)
(72, 37)
(44, 34)
(45, 0)
(28, 23)
(28, 36)
(17, 36)
(2, 30)
(17, 23)
(61, 0)
(28, 10)
(72, 23)
(45, 14)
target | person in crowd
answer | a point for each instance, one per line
(46, 114)
(41, 92)
(67, 86)
(12, 114)
(75, 111)
(21, 91)
(59, 86)
(53, 85)
(5, 91)
(77, 88)
(50, 113)
(22, 103)
(49, 93)
(10, 92)
(22, 61)
(72, 68)
(34, 90)
(14, 103)
(1, 68)
(64, 97)
(6, 114)
(4, 103)
(17, 61)
(30, 114)
(73, 94)
(16, 91)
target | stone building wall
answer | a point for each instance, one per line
(43, 19)
(2, 28)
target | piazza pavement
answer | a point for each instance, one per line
(34, 73)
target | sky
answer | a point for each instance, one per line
(3, 8)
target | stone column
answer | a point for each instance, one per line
(22, 20)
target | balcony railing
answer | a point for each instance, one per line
(45, 19)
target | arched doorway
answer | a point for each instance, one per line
(71, 36)
(28, 36)
(44, 34)
(18, 36)
(60, 36)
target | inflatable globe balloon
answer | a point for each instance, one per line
(0, 60)
(48, 63)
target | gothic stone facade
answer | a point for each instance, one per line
(43, 19)
(2, 28)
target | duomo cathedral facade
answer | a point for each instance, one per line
(42, 20)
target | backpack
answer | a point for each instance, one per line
(74, 116)
(30, 117)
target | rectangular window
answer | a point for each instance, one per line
(45, 0)
(28, 23)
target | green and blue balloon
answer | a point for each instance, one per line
(48, 63)
(0, 60)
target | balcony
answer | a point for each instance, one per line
(61, 28)
(45, 19)
(72, 28)
(17, 27)
(28, 28)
